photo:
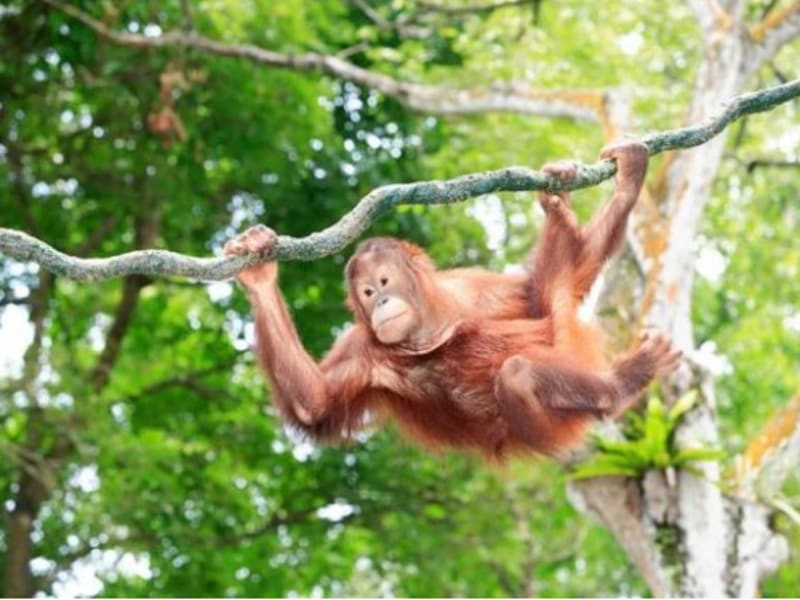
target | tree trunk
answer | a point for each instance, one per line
(686, 537)
(19, 551)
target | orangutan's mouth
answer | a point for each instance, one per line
(392, 318)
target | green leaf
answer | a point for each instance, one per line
(698, 454)
(14, 425)
(602, 470)
(684, 404)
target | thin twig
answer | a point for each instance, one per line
(472, 9)
(756, 163)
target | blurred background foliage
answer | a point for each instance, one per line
(179, 480)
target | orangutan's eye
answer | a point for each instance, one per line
(368, 292)
(384, 281)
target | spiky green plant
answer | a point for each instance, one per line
(648, 443)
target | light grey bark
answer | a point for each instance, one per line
(617, 504)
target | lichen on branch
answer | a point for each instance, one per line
(330, 240)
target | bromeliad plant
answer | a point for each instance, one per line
(648, 443)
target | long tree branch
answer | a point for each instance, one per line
(22, 246)
(506, 96)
